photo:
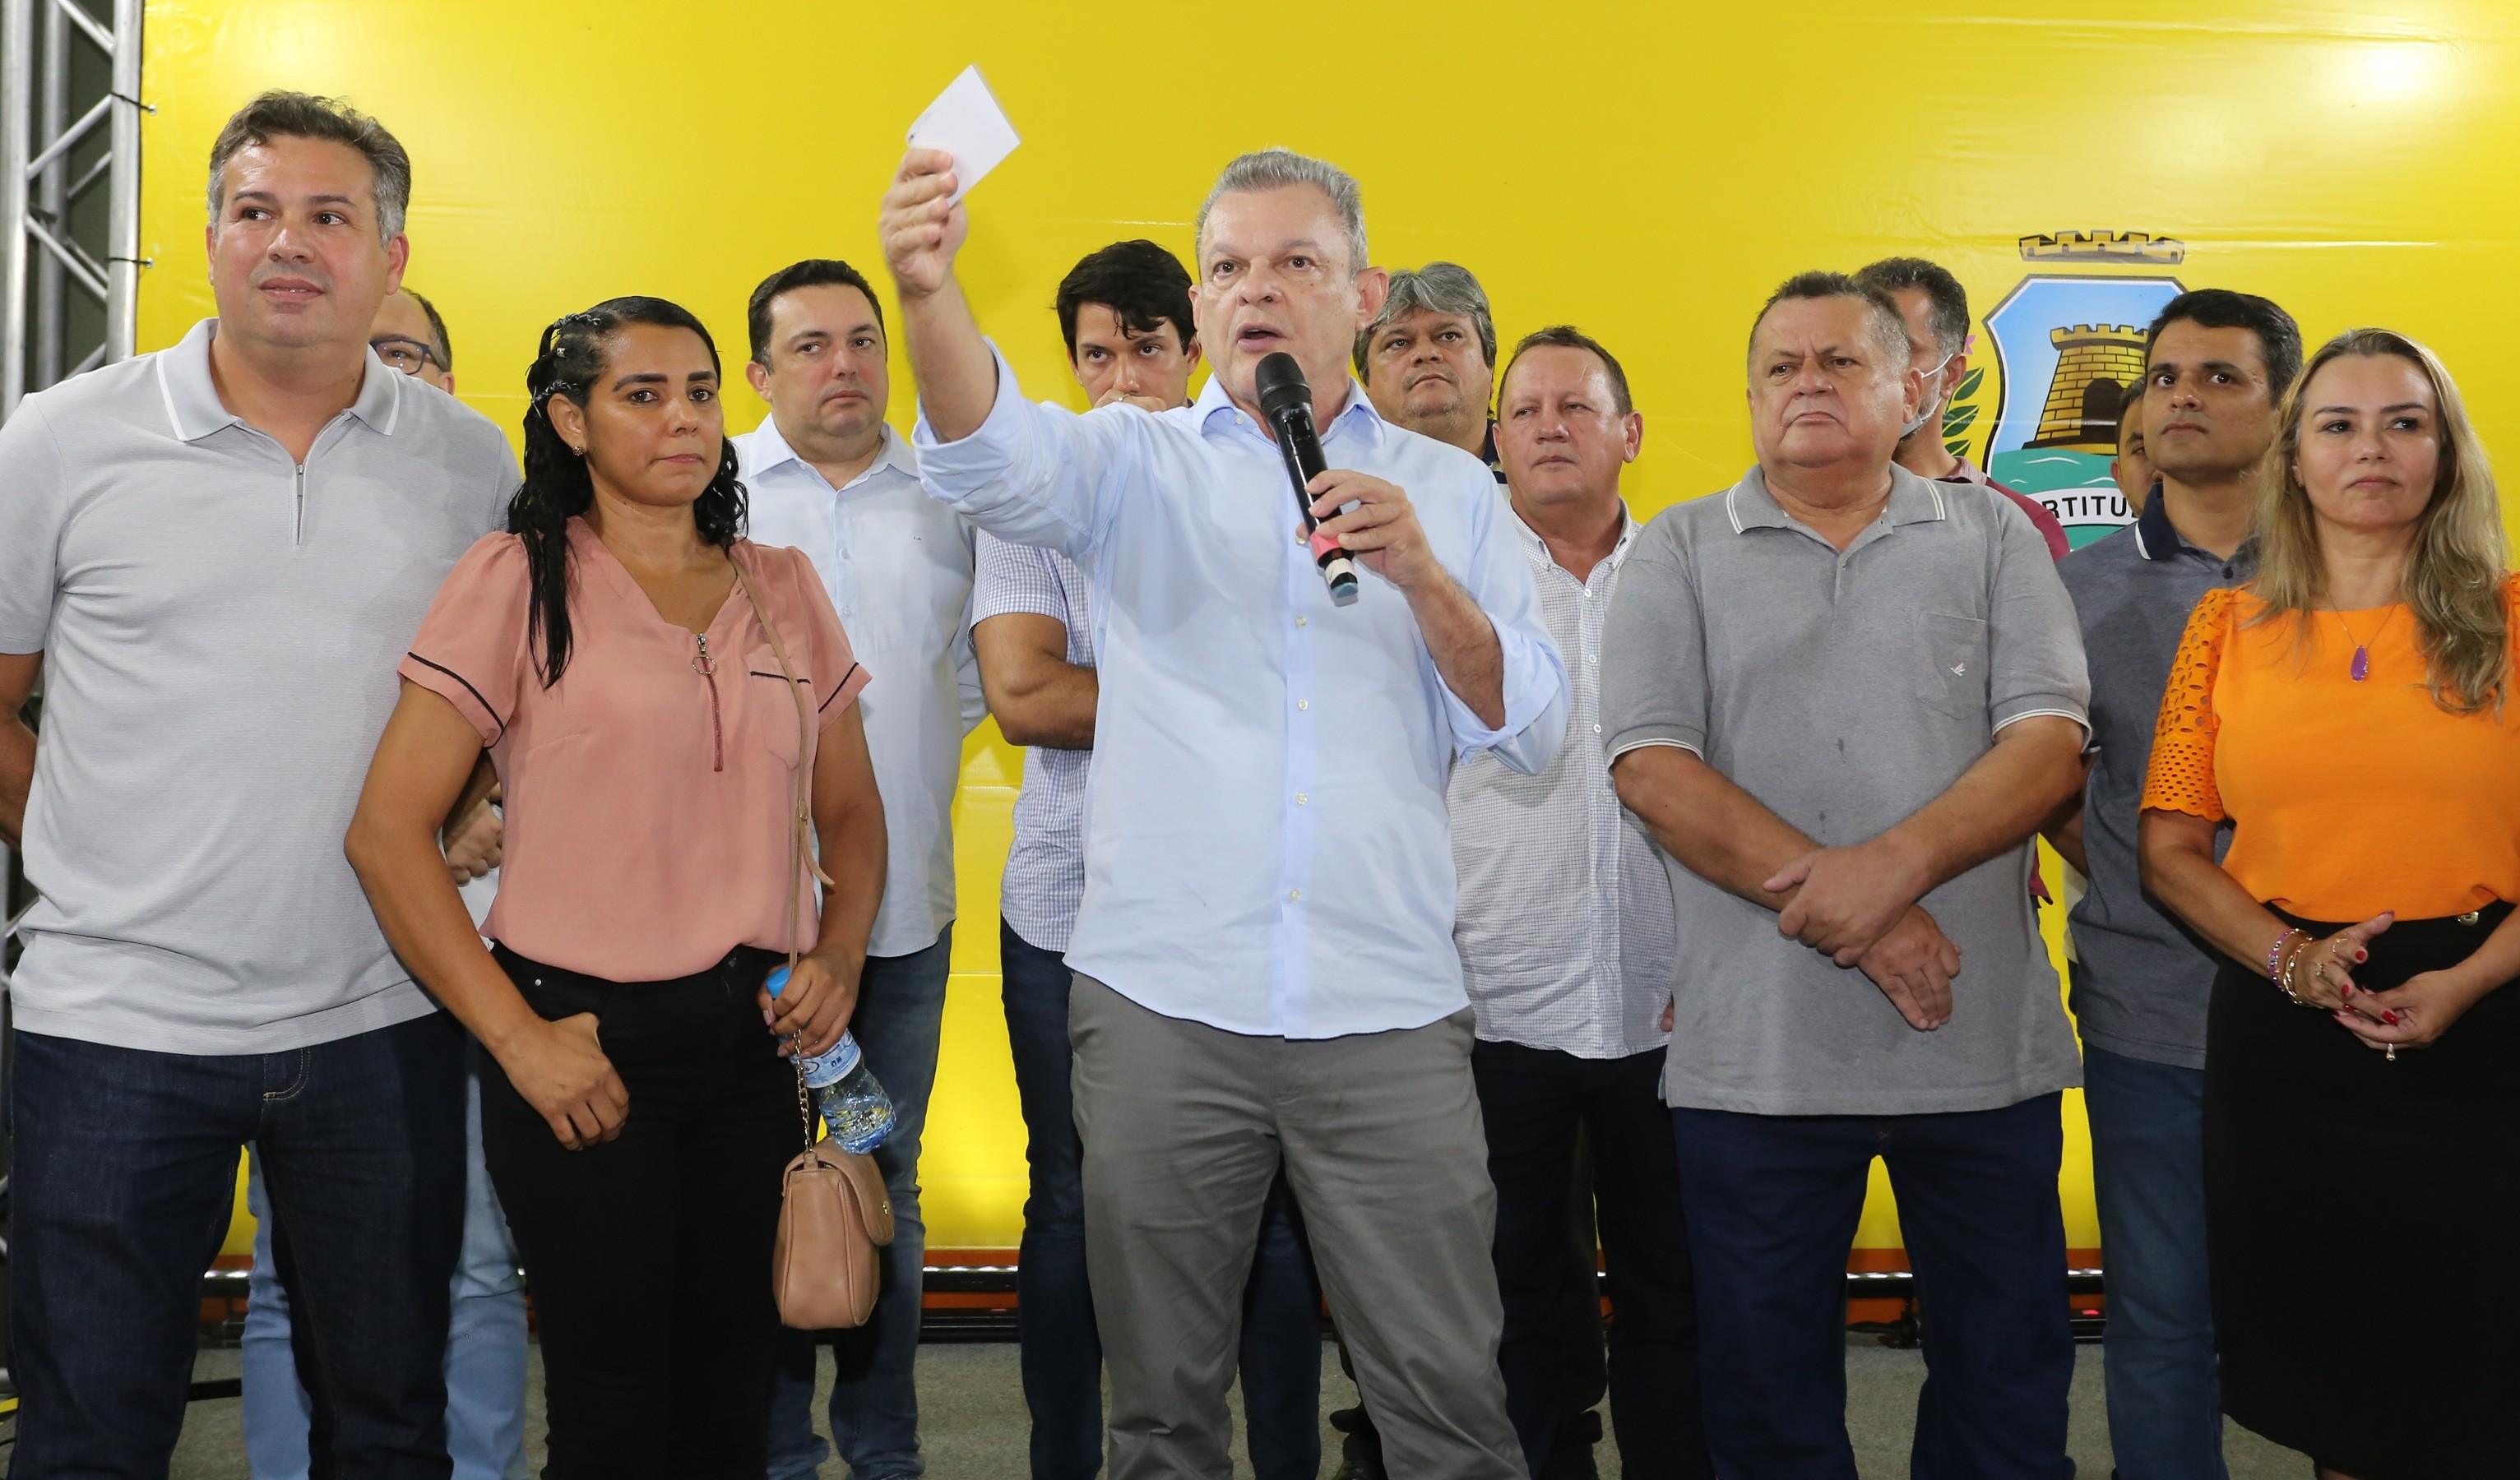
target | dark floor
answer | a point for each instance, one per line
(972, 1419)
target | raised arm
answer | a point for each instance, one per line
(1031, 475)
(422, 766)
(921, 228)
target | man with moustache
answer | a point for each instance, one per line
(1428, 358)
(218, 552)
(2216, 365)
(1265, 974)
(1125, 314)
(825, 475)
(1846, 790)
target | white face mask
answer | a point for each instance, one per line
(1933, 403)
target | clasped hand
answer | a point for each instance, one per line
(1858, 907)
(2411, 1015)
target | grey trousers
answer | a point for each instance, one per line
(1183, 1127)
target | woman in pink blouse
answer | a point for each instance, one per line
(610, 655)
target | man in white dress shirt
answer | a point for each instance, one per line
(825, 475)
(1264, 958)
(1566, 937)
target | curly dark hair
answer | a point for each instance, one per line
(558, 486)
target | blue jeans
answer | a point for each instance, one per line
(124, 1185)
(2149, 1172)
(485, 1340)
(1772, 1203)
(1062, 1348)
(874, 1399)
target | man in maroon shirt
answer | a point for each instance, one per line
(1937, 311)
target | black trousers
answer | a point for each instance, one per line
(648, 1256)
(1536, 1101)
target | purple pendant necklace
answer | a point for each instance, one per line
(2361, 668)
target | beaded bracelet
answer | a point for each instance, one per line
(2274, 953)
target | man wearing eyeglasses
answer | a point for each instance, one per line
(485, 1339)
(410, 336)
(1936, 309)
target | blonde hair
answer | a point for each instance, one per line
(2454, 570)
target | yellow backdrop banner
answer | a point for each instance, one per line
(1646, 172)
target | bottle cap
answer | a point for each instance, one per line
(778, 979)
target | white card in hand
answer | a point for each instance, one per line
(967, 122)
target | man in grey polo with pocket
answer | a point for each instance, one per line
(1843, 699)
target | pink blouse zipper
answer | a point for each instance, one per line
(707, 669)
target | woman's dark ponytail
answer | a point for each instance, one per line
(558, 486)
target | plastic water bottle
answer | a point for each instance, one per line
(854, 1105)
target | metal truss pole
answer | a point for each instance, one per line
(47, 262)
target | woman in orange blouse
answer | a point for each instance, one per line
(2350, 715)
(649, 686)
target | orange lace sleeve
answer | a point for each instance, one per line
(2181, 777)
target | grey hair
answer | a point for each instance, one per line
(1278, 168)
(1889, 327)
(282, 115)
(1445, 288)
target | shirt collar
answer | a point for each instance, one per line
(1751, 506)
(1538, 548)
(1967, 472)
(1358, 416)
(194, 408)
(2156, 538)
(770, 451)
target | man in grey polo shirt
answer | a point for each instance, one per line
(218, 552)
(1842, 700)
(2216, 365)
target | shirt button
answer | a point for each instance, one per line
(1591, 657)
(1295, 896)
(1303, 703)
(1302, 800)
(848, 612)
(1303, 621)
(1597, 728)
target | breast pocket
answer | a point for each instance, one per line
(770, 714)
(1954, 678)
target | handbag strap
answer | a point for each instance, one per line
(801, 862)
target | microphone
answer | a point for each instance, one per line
(1286, 402)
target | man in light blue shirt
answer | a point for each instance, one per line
(824, 474)
(1125, 314)
(1264, 958)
